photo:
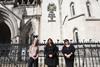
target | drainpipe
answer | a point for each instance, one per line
(60, 18)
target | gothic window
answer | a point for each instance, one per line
(6, 0)
(72, 9)
(19, 1)
(88, 8)
(31, 1)
(75, 35)
(27, 2)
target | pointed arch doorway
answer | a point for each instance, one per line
(5, 34)
(8, 27)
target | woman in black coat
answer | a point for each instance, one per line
(51, 54)
(68, 52)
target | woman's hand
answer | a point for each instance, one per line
(67, 55)
(35, 57)
(50, 55)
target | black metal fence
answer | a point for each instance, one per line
(16, 55)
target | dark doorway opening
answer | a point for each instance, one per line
(5, 34)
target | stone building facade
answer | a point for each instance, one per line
(21, 20)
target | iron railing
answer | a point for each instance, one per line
(16, 55)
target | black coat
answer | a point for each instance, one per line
(68, 50)
(54, 51)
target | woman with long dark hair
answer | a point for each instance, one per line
(51, 54)
(33, 54)
(68, 52)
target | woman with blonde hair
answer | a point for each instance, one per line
(33, 54)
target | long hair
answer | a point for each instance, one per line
(36, 43)
(48, 42)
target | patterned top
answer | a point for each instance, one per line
(32, 51)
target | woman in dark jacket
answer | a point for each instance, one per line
(68, 52)
(51, 54)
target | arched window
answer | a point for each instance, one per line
(88, 8)
(75, 35)
(27, 2)
(72, 9)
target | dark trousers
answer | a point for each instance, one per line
(52, 66)
(32, 62)
(69, 63)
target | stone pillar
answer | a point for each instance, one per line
(35, 25)
(36, 20)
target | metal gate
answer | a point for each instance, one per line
(16, 55)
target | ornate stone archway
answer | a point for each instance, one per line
(11, 22)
